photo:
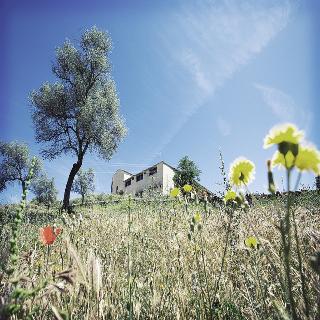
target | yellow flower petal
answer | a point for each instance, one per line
(229, 196)
(197, 217)
(286, 161)
(283, 133)
(241, 172)
(174, 192)
(251, 242)
(308, 159)
(187, 188)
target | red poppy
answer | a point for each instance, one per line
(48, 235)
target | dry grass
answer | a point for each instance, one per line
(170, 276)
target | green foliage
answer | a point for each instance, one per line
(84, 183)
(44, 190)
(16, 163)
(228, 311)
(187, 173)
(19, 295)
(80, 112)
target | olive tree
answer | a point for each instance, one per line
(84, 183)
(44, 190)
(15, 163)
(187, 172)
(80, 112)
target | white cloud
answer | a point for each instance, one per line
(213, 40)
(284, 107)
(194, 66)
(224, 127)
(208, 42)
(281, 104)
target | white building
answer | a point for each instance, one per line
(159, 176)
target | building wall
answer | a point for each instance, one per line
(168, 183)
(148, 180)
(118, 181)
(162, 180)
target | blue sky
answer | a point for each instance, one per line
(193, 77)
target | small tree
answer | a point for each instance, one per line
(318, 182)
(187, 172)
(45, 191)
(80, 112)
(84, 183)
(15, 163)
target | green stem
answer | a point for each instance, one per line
(263, 296)
(205, 276)
(300, 265)
(48, 252)
(202, 291)
(287, 250)
(186, 203)
(129, 261)
(224, 253)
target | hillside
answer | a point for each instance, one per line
(165, 264)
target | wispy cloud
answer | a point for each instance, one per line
(284, 107)
(208, 42)
(218, 38)
(193, 64)
(224, 126)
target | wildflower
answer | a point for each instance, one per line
(241, 172)
(308, 159)
(271, 184)
(286, 161)
(283, 133)
(197, 217)
(187, 188)
(229, 196)
(251, 242)
(48, 235)
(174, 192)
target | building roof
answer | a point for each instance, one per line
(173, 168)
(123, 171)
(133, 175)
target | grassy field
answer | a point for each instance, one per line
(161, 260)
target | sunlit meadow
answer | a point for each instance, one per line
(246, 256)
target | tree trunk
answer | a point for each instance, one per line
(24, 187)
(66, 198)
(82, 199)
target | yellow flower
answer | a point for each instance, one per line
(174, 192)
(283, 133)
(187, 188)
(308, 159)
(229, 196)
(286, 161)
(197, 217)
(251, 242)
(241, 172)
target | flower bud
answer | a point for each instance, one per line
(271, 185)
(285, 147)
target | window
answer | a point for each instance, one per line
(139, 177)
(127, 182)
(152, 171)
